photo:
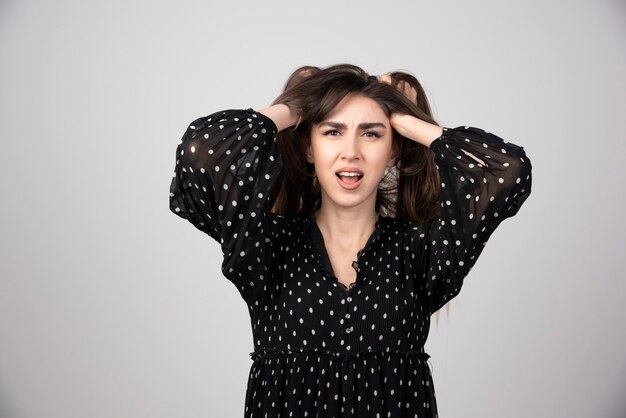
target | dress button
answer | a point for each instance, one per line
(349, 299)
(348, 330)
(347, 316)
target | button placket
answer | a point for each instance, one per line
(348, 305)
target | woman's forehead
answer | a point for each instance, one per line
(357, 107)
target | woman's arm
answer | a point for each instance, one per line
(415, 129)
(282, 116)
(226, 166)
(420, 131)
(483, 181)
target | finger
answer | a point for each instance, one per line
(385, 78)
(409, 91)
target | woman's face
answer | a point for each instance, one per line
(350, 150)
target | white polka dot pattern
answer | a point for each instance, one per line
(323, 350)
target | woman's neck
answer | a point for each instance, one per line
(347, 229)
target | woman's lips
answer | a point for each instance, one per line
(349, 179)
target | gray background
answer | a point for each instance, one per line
(111, 306)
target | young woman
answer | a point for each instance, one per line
(346, 217)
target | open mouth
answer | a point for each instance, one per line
(349, 179)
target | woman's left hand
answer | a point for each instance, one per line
(402, 86)
(409, 126)
(415, 129)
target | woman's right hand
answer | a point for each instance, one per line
(282, 116)
(293, 98)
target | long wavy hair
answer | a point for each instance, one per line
(409, 191)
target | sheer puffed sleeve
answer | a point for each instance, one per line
(484, 180)
(226, 166)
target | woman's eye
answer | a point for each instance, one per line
(372, 134)
(332, 132)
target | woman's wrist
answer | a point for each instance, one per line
(416, 129)
(282, 115)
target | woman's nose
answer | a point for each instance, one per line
(351, 148)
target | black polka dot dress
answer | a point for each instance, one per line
(321, 349)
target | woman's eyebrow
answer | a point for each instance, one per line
(365, 125)
(372, 125)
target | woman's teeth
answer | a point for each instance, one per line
(349, 176)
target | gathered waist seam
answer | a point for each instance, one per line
(342, 356)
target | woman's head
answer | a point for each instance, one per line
(350, 149)
(410, 189)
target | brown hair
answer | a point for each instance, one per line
(410, 191)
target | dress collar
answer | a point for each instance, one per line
(313, 236)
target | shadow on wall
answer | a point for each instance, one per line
(5, 407)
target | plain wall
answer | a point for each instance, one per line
(112, 306)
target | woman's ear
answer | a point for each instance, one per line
(309, 154)
(395, 154)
